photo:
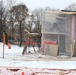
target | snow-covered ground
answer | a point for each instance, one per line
(13, 58)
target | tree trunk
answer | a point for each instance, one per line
(20, 35)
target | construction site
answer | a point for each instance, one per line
(50, 52)
(57, 34)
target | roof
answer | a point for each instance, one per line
(61, 12)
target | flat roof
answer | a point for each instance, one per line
(61, 12)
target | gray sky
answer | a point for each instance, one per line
(58, 4)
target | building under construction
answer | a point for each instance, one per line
(58, 33)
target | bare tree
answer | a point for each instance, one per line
(4, 12)
(19, 13)
(71, 7)
(36, 19)
(2, 20)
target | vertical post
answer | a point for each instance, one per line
(58, 44)
(4, 39)
(73, 27)
(72, 37)
(42, 37)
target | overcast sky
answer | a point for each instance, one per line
(58, 4)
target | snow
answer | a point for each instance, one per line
(13, 58)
